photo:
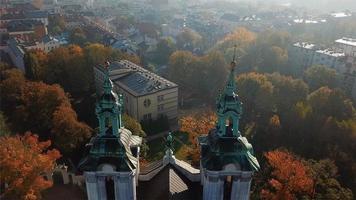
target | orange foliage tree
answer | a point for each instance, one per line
(291, 178)
(24, 160)
(43, 109)
(196, 125)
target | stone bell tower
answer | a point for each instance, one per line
(111, 167)
(227, 161)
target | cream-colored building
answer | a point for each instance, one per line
(145, 94)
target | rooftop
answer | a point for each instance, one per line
(347, 41)
(331, 52)
(340, 14)
(22, 25)
(305, 45)
(136, 79)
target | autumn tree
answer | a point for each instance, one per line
(165, 48)
(4, 128)
(198, 74)
(196, 125)
(241, 37)
(67, 67)
(68, 132)
(327, 102)
(290, 178)
(326, 185)
(318, 76)
(24, 160)
(256, 93)
(188, 39)
(12, 86)
(56, 24)
(180, 67)
(35, 62)
(78, 36)
(287, 91)
(44, 109)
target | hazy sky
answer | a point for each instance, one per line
(327, 5)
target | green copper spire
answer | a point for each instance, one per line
(229, 106)
(109, 107)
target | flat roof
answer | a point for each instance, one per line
(346, 41)
(331, 52)
(305, 45)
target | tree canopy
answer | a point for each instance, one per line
(24, 160)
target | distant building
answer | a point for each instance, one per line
(330, 58)
(17, 48)
(348, 45)
(16, 53)
(26, 30)
(146, 95)
(301, 54)
(37, 15)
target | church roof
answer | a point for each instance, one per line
(169, 183)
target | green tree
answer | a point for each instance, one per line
(326, 185)
(78, 36)
(165, 48)
(4, 129)
(256, 93)
(136, 129)
(318, 76)
(327, 102)
(188, 39)
(287, 91)
(180, 67)
(35, 62)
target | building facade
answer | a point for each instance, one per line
(348, 45)
(146, 95)
(301, 55)
(330, 58)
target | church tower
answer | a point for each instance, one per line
(227, 161)
(111, 167)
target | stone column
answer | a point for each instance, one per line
(241, 186)
(91, 185)
(213, 187)
(125, 187)
(101, 188)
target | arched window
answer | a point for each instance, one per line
(229, 126)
